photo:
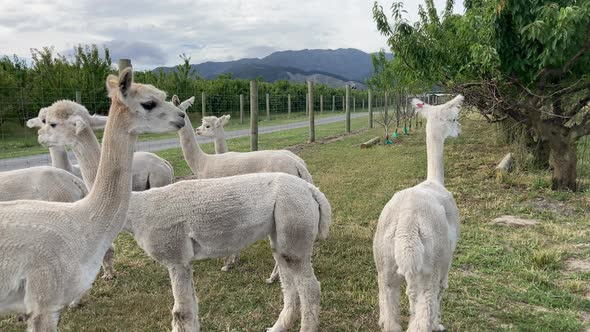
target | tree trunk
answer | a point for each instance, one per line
(564, 160)
(539, 149)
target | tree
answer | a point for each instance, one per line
(528, 61)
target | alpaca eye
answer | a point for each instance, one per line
(43, 121)
(53, 125)
(150, 105)
(207, 126)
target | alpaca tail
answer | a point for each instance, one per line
(409, 249)
(303, 172)
(325, 211)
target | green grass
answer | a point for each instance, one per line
(502, 279)
(16, 141)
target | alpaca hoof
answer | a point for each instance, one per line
(439, 328)
(270, 280)
(108, 276)
(270, 329)
(225, 268)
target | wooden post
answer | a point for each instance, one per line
(307, 104)
(241, 108)
(347, 107)
(289, 105)
(354, 104)
(311, 114)
(363, 107)
(253, 116)
(370, 109)
(79, 97)
(203, 103)
(124, 63)
(267, 107)
(333, 103)
(321, 103)
(343, 103)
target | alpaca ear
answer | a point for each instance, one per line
(175, 101)
(34, 123)
(78, 123)
(98, 121)
(457, 101)
(224, 120)
(125, 81)
(187, 103)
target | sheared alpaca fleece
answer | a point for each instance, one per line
(199, 219)
(417, 233)
(44, 183)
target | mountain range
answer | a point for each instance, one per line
(331, 67)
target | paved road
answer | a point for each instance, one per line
(169, 143)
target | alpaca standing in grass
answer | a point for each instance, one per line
(149, 170)
(234, 163)
(200, 219)
(51, 252)
(418, 231)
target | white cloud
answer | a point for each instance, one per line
(154, 33)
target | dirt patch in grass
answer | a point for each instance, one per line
(541, 204)
(578, 265)
(326, 140)
(508, 220)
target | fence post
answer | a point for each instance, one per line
(343, 103)
(333, 103)
(124, 63)
(321, 103)
(79, 97)
(311, 114)
(370, 109)
(289, 105)
(253, 116)
(354, 104)
(241, 108)
(203, 103)
(347, 107)
(363, 107)
(267, 107)
(307, 104)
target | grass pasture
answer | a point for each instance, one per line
(502, 279)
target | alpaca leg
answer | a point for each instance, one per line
(107, 264)
(437, 324)
(426, 296)
(230, 261)
(42, 322)
(274, 276)
(389, 292)
(308, 289)
(290, 304)
(185, 314)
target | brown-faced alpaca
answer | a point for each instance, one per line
(207, 166)
(417, 233)
(51, 252)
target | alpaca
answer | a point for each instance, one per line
(234, 163)
(149, 170)
(212, 126)
(203, 225)
(418, 231)
(51, 251)
(44, 183)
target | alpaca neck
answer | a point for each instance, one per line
(434, 155)
(87, 151)
(190, 148)
(108, 199)
(59, 158)
(220, 143)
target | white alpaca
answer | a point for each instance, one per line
(149, 170)
(210, 218)
(44, 183)
(51, 252)
(417, 233)
(234, 163)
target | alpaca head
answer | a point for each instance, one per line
(212, 125)
(147, 108)
(441, 119)
(63, 121)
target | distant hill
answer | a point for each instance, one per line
(332, 67)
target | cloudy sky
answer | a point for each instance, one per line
(155, 32)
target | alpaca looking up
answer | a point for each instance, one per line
(418, 231)
(212, 126)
